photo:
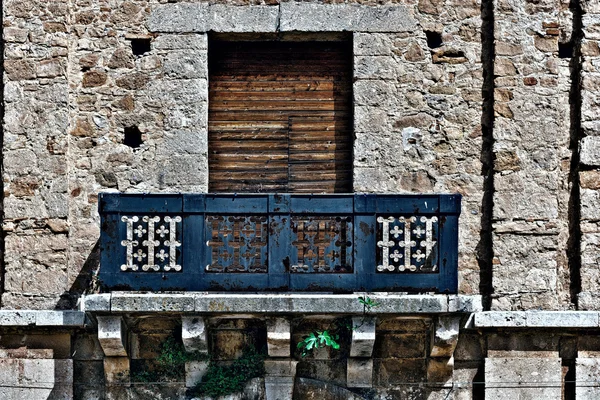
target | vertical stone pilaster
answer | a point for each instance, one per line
(531, 155)
(279, 378)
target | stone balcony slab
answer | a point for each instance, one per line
(536, 319)
(278, 303)
(33, 318)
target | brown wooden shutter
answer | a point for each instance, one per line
(280, 117)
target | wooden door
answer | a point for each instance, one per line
(280, 117)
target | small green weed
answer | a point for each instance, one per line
(221, 380)
(325, 338)
(170, 363)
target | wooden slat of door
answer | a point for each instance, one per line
(280, 117)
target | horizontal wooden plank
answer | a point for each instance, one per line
(250, 134)
(320, 156)
(250, 175)
(274, 115)
(252, 156)
(246, 145)
(279, 95)
(275, 86)
(304, 105)
(330, 76)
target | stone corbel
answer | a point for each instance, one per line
(279, 336)
(359, 372)
(193, 334)
(440, 367)
(112, 335)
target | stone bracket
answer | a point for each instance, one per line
(112, 334)
(445, 336)
(279, 337)
(194, 334)
(279, 378)
(363, 336)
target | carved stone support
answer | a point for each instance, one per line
(363, 336)
(112, 334)
(194, 334)
(445, 336)
(279, 337)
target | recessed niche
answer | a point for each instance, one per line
(140, 46)
(132, 137)
(434, 39)
(565, 50)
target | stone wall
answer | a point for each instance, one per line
(85, 79)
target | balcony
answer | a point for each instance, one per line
(279, 242)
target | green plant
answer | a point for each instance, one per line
(221, 380)
(325, 338)
(317, 340)
(170, 363)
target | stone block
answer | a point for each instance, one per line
(500, 319)
(179, 18)
(123, 302)
(389, 372)
(194, 372)
(363, 336)
(279, 387)
(464, 303)
(116, 370)
(440, 370)
(226, 18)
(279, 337)
(181, 42)
(587, 371)
(523, 378)
(590, 204)
(359, 373)
(194, 334)
(280, 367)
(590, 151)
(202, 17)
(562, 319)
(112, 335)
(17, 318)
(96, 302)
(60, 318)
(316, 17)
(445, 336)
(400, 345)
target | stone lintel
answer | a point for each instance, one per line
(279, 303)
(359, 372)
(194, 334)
(445, 336)
(112, 335)
(203, 17)
(286, 17)
(536, 319)
(279, 335)
(363, 336)
(316, 17)
(42, 318)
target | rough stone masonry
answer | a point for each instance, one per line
(496, 100)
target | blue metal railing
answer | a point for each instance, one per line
(279, 242)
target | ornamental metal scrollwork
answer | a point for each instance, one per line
(323, 244)
(151, 245)
(237, 243)
(407, 244)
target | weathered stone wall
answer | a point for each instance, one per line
(73, 87)
(532, 155)
(590, 156)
